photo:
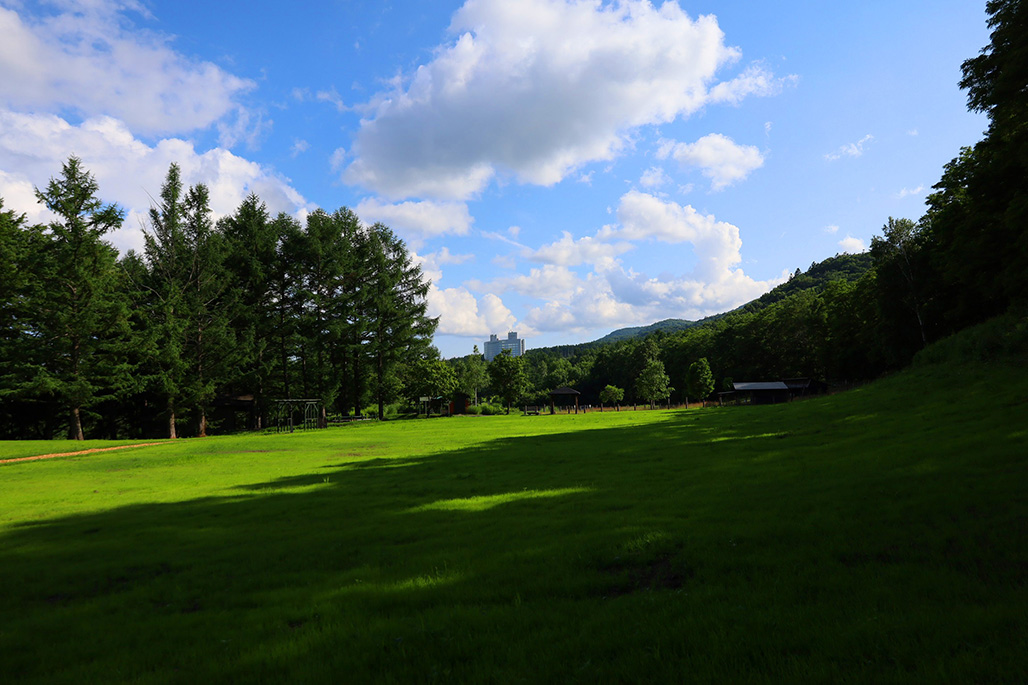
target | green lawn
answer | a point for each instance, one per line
(875, 536)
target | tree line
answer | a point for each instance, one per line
(227, 313)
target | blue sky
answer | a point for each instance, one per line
(558, 168)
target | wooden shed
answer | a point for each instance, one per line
(563, 393)
(765, 392)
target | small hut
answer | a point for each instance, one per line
(565, 394)
(768, 392)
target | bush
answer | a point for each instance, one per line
(474, 409)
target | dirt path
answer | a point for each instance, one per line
(75, 454)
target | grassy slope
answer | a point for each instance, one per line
(876, 535)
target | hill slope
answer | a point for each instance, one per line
(846, 267)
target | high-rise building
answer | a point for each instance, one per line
(493, 346)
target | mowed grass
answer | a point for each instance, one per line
(879, 535)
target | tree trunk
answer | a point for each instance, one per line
(75, 427)
(203, 422)
(380, 363)
(171, 423)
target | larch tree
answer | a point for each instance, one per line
(80, 314)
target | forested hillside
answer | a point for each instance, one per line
(845, 267)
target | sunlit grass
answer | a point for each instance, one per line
(483, 502)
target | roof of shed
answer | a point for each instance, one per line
(565, 390)
(767, 385)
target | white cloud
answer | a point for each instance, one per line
(337, 159)
(417, 221)
(645, 217)
(128, 171)
(831, 228)
(756, 80)
(299, 147)
(556, 283)
(852, 245)
(493, 235)
(535, 89)
(654, 177)
(615, 296)
(851, 149)
(432, 263)
(461, 313)
(88, 59)
(907, 192)
(719, 158)
(333, 98)
(571, 252)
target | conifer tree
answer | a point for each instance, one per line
(80, 314)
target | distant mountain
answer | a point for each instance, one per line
(667, 325)
(844, 267)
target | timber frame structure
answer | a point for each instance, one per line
(284, 410)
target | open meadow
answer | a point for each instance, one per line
(877, 535)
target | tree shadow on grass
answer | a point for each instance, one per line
(650, 548)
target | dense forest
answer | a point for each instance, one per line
(218, 316)
(211, 319)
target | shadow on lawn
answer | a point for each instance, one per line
(400, 566)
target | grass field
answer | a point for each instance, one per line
(880, 535)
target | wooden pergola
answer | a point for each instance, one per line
(285, 409)
(563, 391)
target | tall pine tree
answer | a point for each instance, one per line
(80, 315)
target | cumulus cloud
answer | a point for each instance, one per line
(536, 89)
(431, 264)
(571, 252)
(417, 221)
(654, 177)
(613, 295)
(128, 171)
(851, 149)
(831, 228)
(852, 245)
(461, 313)
(87, 59)
(718, 157)
(548, 283)
(716, 244)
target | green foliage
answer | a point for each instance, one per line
(1000, 338)
(612, 395)
(653, 384)
(699, 382)
(79, 311)
(250, 309)
(508, 377)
